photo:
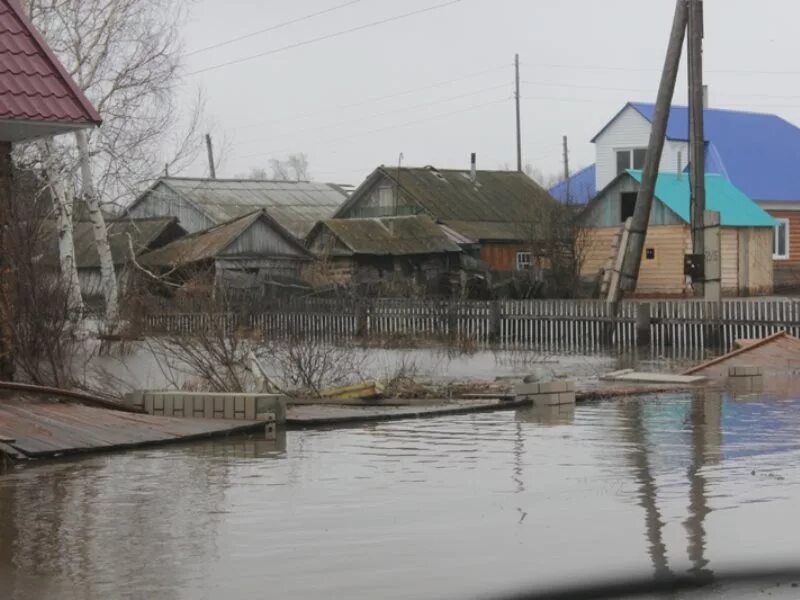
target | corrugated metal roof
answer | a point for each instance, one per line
(211, 243)
(758, 152)
(392, 236)
(735, 208)
(496, 232)
(450, 195)
(295, 205)
(579, 189)
(33, 84)
(121, 234)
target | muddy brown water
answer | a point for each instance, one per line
(458, 507)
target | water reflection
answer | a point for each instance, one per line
(61, 523)
(705, 418)
(551, 416)
(638, 455)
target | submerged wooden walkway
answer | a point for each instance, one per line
(40, 426)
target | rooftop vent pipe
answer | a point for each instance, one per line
(473, 171)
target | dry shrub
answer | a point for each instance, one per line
(47, 333)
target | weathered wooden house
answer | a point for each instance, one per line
(200, 204)
(372, 251)
(128, 238)
(502, 211)
(252, 252)
(746, 234)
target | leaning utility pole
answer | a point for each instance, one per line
(696, 142)
(629, 273)
(519, 118)
(212, 169)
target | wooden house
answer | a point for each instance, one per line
(128, 239)
(252, 252)
(369, 252)
(746, 234)
(200, 204)
(501, 211)
(756, 152)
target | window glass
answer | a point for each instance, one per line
(782, 238)
(523, 261)
(623, 161)
(639, 155)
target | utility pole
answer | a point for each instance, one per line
(212, 170)
(696, 140)
(629, 273)
(566, 159)
(519, 118)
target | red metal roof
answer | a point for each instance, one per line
(34, 86)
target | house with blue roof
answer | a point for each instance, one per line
(758, 153)
(746, 234)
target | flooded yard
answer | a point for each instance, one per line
(457, 507)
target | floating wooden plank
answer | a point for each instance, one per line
(362, 391)
(665, 378)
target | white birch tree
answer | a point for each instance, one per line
(63, 206)
(125, 55)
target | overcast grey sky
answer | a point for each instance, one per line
(438, 86)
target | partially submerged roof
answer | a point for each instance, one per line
(296, 205)
(579, 189)
(37, 96)
(758, 152)
(391, 236)
(735, 208)
(212, 243)
(778, 353)
(452, 197)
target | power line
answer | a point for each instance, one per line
(273, 28)
(393, 95)
(327, 37)
(388, 127)
(391, 112)
(576, 67)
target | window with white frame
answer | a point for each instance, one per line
(524, 261)
(781, 251)
(632, 158)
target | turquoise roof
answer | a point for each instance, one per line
(735, 208)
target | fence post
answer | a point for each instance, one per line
(452, 321)
(495, 317)
(362, 313)
(643, 324)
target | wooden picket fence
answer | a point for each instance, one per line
(679, 328)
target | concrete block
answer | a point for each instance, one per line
(567, 397)
(526, 389)
(546, 400)
(746, 371)
(546, 387)
(271, 403)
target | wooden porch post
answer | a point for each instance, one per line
(7, 295)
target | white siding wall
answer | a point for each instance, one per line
(631, 130)
(163, 202)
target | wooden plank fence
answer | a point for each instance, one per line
(678, 328)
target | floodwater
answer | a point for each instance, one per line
(458, 507)
(143, 367)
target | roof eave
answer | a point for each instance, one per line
(94, 116)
